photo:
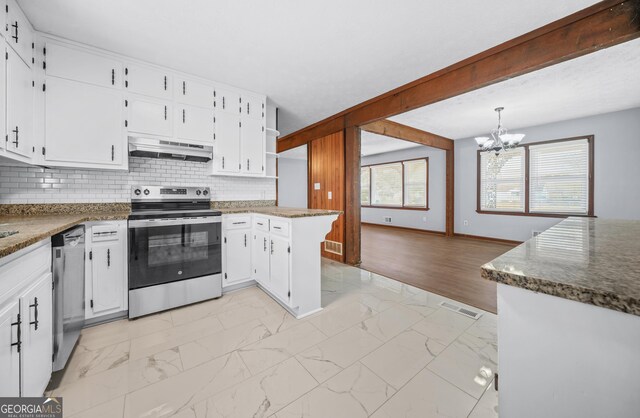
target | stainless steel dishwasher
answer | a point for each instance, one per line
(68, 292)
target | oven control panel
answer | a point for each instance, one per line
(169, 193)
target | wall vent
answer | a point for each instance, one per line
(333, 247)
(459, 309)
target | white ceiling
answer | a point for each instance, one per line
(601, 82)
(372, 144)
(313, 59)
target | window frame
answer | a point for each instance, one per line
(401, 207)
(590, 206)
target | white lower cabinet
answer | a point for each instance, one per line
(9, 351)
(279, 272)
(261, 252)
(106, 271)
(236, 252)
(26, 321)
(36, 313)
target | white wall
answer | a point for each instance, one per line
(616, 171)
(292, 182)
(434, 218)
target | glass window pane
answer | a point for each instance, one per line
(365, 177)
(502, 181)
(415, 183)
(386, 185)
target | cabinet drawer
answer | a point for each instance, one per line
(280, 227)
(237, 222)
(103, 233)
(260, 223)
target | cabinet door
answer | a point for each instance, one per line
(107, 278)
(19, 33)
(147, 81)
(253, 106)
(77, 64)
(193, 93)
(227, 100)
(260, 258)
(36, 311)
(238, 256)
(227, 141)
(3, 96)
(19, 105)
(279, 248)
(83, 124)
(194, 123)
(252, 146)
(148, 116)
(10, 353)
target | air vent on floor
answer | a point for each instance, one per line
(333, 247)
(459, 309)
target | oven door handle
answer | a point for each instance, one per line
(148, 223)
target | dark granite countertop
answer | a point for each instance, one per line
(594, 261)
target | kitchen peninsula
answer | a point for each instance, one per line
(569, 321)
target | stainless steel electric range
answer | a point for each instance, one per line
(175, 248)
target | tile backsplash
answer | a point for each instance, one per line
(29, 184)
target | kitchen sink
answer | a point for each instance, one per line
(4, 234)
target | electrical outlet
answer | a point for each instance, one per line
(465, 222)
(387, 219)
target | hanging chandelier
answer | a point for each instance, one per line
(499, 140)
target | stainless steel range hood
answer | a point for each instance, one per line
(171, 150)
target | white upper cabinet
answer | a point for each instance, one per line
(228, 101)
(73, 63)
(84, 125)
(227, 143)
(20, 90)
(3, 95)
(194, 123)
(194, 93)
(253, 106)
(252, 145)
(148, 81)
(149, 116)
(19, 33)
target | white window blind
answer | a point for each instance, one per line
(365, 182)
(502, 181)
(559, 177)
(386, 185)
(415, 183)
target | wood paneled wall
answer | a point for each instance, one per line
(327, 167)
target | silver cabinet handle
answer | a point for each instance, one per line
(34, 305)
(271, 246)
(265, 244)
(245, 240)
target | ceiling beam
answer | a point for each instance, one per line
(408, 133)
(600, 26)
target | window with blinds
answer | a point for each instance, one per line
(502, 181)
(415, 183)
(365, 186)
(386, 184)
(545, 178)
(401, 184)
(559, 177)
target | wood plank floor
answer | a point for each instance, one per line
(447, 266)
